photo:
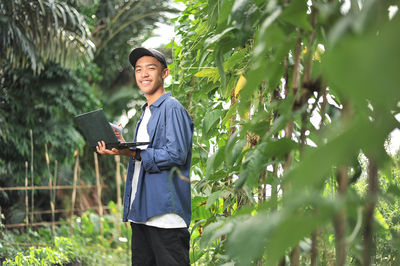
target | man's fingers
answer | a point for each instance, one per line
(102, 149)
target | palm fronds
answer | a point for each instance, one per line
(28, 30)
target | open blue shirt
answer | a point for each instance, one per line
(163, 185)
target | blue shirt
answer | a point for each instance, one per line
(163, 185)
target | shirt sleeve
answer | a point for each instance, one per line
(179, 130)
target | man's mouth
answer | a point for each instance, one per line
(144, 82)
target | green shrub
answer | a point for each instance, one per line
(84, 244)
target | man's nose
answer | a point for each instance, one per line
(144, 73)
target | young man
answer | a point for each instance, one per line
(157, 192)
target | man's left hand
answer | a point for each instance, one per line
(101, 149)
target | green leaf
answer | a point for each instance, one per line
(231, 112)
(213, 197)
(215, 231)
(296, 14)
(235, 59)
(238, 8)
(232, 155)
(199, 210)
(210, 120)
(219, 158)
(210, 72)
(210, 165)
(393, 189)
(279, 148)
(224, 13)
(253, 166)
(362, 75)
(340, 150)
(218, 37)
(219, 59)
(276, 231)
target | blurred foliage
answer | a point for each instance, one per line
(45, 105)
(42, 105)
(283, 95)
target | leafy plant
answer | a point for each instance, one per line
(285, 97)
(86, 243)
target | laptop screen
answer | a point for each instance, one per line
(95, 127)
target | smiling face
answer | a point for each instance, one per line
(150, 75)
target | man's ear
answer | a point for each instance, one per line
(165, 73)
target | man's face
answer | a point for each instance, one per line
(150, 74)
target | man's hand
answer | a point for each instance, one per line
(101, 149)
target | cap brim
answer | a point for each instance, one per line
(138, 53)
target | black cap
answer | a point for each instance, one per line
(139, 52)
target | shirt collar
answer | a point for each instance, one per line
(159, 101)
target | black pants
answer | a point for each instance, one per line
(159, 246)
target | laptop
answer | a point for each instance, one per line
(94, 126)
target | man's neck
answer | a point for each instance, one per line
(154, 97)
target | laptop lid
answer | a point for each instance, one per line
(94, 126)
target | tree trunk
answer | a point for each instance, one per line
(372, 197)
(295, 256)
(314, 248)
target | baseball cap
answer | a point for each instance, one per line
(139, 52)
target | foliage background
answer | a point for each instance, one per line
(293, 103)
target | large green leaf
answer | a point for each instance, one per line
(199, 210)
(210, 120)
(296, 14)
(340, 150)
(276, 231)
(365, 68)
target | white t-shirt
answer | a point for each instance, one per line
(167, 220)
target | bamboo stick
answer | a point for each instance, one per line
(69, 210)
(34, 224)
(74, 188)
(32, 183)
(46, 153)
(49, 223)
(98, 185)
(54, 190)
(118, 181)
(47, 187)
(26, 196)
